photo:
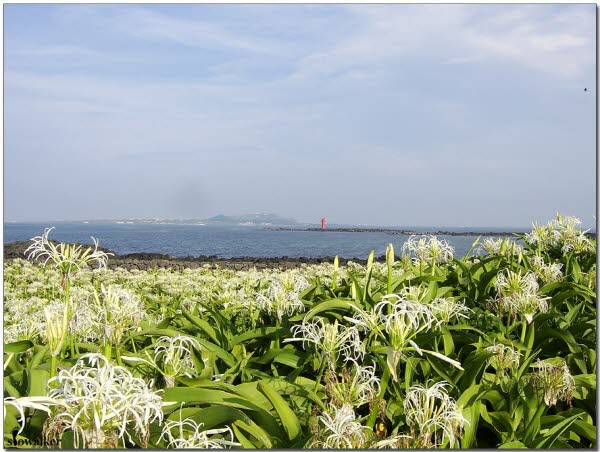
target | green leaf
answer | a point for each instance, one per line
(245, 442)
(227, 357)
(37, 382)
(556, 431)
(586, 430)
(202, 324)
(255, 431)
(296, 389)
(202, 396)
(471, 415)
(290, 422)
(255, 334)
(336, 304)
(513, 445)
(18, 347)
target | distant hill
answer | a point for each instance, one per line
(251, 219)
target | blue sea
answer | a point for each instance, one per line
(226, 241)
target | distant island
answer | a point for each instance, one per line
(250, 219)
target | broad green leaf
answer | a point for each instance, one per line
(513, 445)
(202, 324)
(18, 347)
(290, 422)
(201, 396)
(336, 304)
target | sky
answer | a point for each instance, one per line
(451, 115)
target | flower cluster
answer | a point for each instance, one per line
(355, 387)
(505, 357)
(341, 430)
(281, 299)
(554, 380)
(517, 294)
(433, 416)
(546, 272)
(501, 247)
(101, 401)
(329, 339)
(403, 319)
(398, 321)
(116, 311)
(428, 249)
(445, 310)
(172, 358)
(188, 434)
(67, 258)
(562, 233)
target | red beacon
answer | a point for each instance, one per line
(323, 224)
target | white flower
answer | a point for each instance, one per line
(539, 235)
(505, 357)
(554, 380)
(187, 434)
(562, 233)
(278, 301)
(172, 357)
(116, 312)
(566, 234)
(433, 416)
(330, 339)
(67, 258)
(414, 293)
(403, 319)
(103, 401)
(510, 283)
(31, 327)
(428, 249)
(342, 431)
(57, 326)
(11, 333)
(355, 387)
(84, 324)
(294, 281)
(546, 272)
(517, 295)
(367, 320)
(501, 247)
(445, 310)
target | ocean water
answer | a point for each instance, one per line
(223, 241)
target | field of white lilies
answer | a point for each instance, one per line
(494, 349)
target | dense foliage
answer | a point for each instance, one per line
(426, 350)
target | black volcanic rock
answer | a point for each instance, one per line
(144, 261)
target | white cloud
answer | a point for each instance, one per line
(147, 24)
(554, 42)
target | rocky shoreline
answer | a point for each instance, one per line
(146, 261)
(404, 232)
